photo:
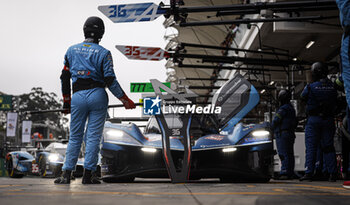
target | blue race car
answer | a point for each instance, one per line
(51, 159)
(18, 163)
(218, 146)
(45, 163)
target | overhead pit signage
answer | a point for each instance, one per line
(125, 13)
(143, 53)
(145, 87)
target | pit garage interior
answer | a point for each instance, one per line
(297, 44)
(274, 55)
(210, 48)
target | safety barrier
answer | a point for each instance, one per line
(3, 172)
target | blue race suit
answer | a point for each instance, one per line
(90, 67)
(344, 15)
(321, 99)
(283, 125)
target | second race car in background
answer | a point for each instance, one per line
(45, 163)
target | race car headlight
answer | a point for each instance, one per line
(229, 149)
(53, 157)
(256, 137)
(260, 133)
(119, 137)
(149, 149)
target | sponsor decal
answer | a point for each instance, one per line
(104, 168)
(215, 137)
(247, 128)
(215, 145)
(35, 168)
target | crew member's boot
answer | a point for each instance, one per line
(90, 177)
(332, 177)
(306, 177)
(64, 178)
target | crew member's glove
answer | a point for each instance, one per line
(128, 104)
(66, 103)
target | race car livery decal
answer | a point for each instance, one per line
(215, 137)
(35, 168)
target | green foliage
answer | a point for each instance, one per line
(37, 99)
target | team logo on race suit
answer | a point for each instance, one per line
(151, 105)
(83, 72)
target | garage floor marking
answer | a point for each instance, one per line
(168, 193)
(320, 187)
(9, 185)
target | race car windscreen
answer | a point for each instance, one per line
(173, 121)
(57, 148)
(152, 126)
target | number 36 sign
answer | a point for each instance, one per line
(132, 12)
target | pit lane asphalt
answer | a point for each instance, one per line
(35, 190)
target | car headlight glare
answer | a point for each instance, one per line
(260, 133)
(119, 137)
(115, 133)
(53, 157)
(148, 149)
(229, 149)
(256, 137)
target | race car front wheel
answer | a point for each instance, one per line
(42, 166)
(11, 169)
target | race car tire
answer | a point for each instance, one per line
(119, 180)
(11, 170)
(42, 166)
